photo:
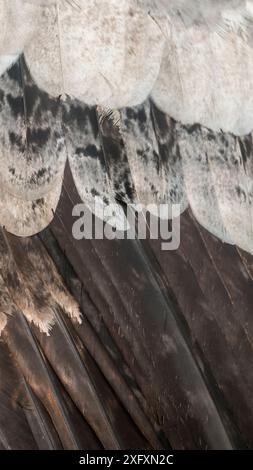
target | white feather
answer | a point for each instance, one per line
(207, 80)
(102, 52)
(18, 19)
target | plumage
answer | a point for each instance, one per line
(32, 153)
(160, 161)
(18, 20)
(218, 181)
(87, 161)
(207, 80)
(100, 52)
(117, 343)
(208, 15)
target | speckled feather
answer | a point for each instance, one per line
(32, 153)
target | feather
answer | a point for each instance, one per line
(15, 432)
(36, 371)
(208, 15)
(121, 284)
(116, 376)
(74, 372)
(24, 291)
(152, 184)
(6, 61)
(82, 380)
(32, 154)
(115, 155)
(100, 52)
(218, 183)
(172, 175)
(44, 293)
(214, 295)
(18, 23)
(126, 346)
(40, 423)
(206, 79)
(87, 162)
